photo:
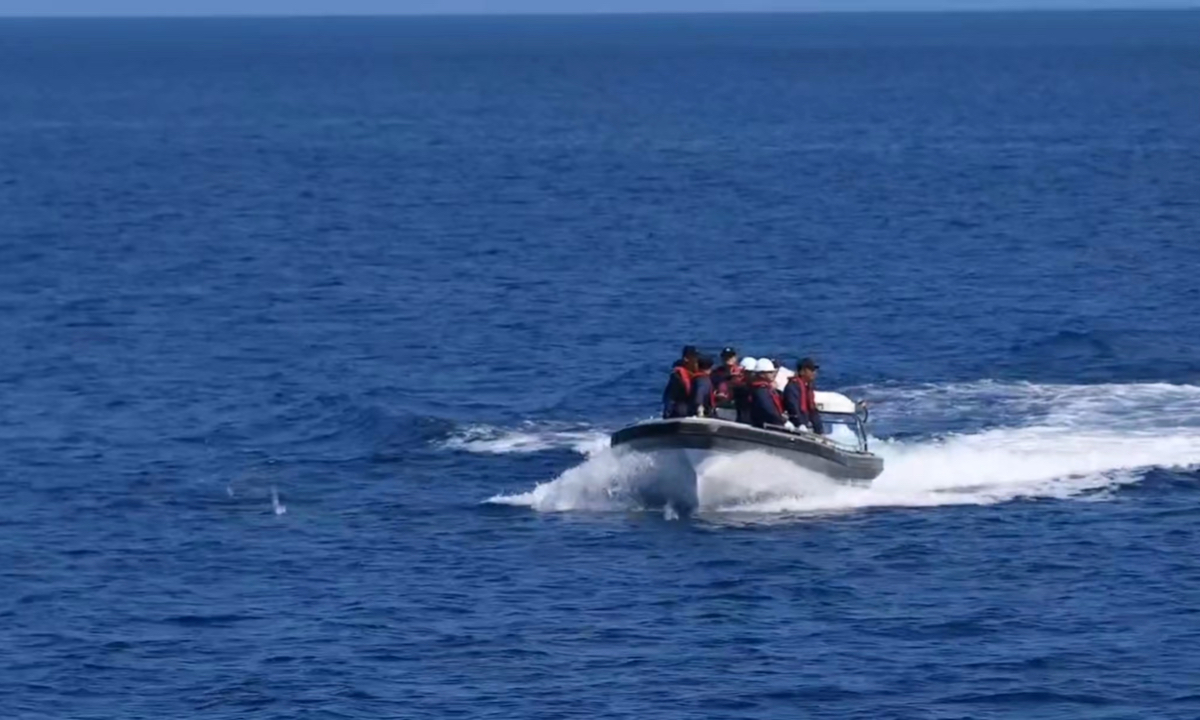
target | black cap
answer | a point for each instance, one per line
(728, 353)
(808, 364)
(689, 351)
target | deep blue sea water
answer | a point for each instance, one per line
(312, 331)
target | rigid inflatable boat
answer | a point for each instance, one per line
(692, 443)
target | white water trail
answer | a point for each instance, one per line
(987, 468)
(605, 481)
(1082, 440)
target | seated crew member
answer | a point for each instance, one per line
(702, 401)
(722, 376)
(799, 398)
(740, 390)
(766, 407)
(678, 391)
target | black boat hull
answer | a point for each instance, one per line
(697, 438)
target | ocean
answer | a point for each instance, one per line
(312, 333)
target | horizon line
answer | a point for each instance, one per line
(1190, 6)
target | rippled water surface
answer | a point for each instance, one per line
(312, 333)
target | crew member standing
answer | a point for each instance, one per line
(689, 354)
(799, 398)
(678, 392)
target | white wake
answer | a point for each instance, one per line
(1076, 441)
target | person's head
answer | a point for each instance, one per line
(807, 369)
(704, 363)
(689, 352)
(729, 357)
(748, 365)
(765, 369)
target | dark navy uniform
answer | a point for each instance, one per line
(678, 393)
(799, 399)
(702, 399)
(739, 390)
(766, 407)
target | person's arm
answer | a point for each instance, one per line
(791, 403)
(811, 414)
(672, 393)
(720, 386)
(699, 401)
(766, 404)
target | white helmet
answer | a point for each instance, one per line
(748, 364)
(764, 365)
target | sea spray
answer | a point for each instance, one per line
(1070, 446)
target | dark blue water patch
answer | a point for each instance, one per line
(204, 621)
(1031, 698)
(1099, 355)
(1174, 486)
(1082, 347)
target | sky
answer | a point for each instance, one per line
(400, 7)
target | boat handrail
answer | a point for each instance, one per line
(810, 435)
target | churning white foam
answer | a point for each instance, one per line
(605, 481)
(992, 467)
(1079, 441)
(1144, 405)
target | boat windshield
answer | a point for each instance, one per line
(845, 430)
